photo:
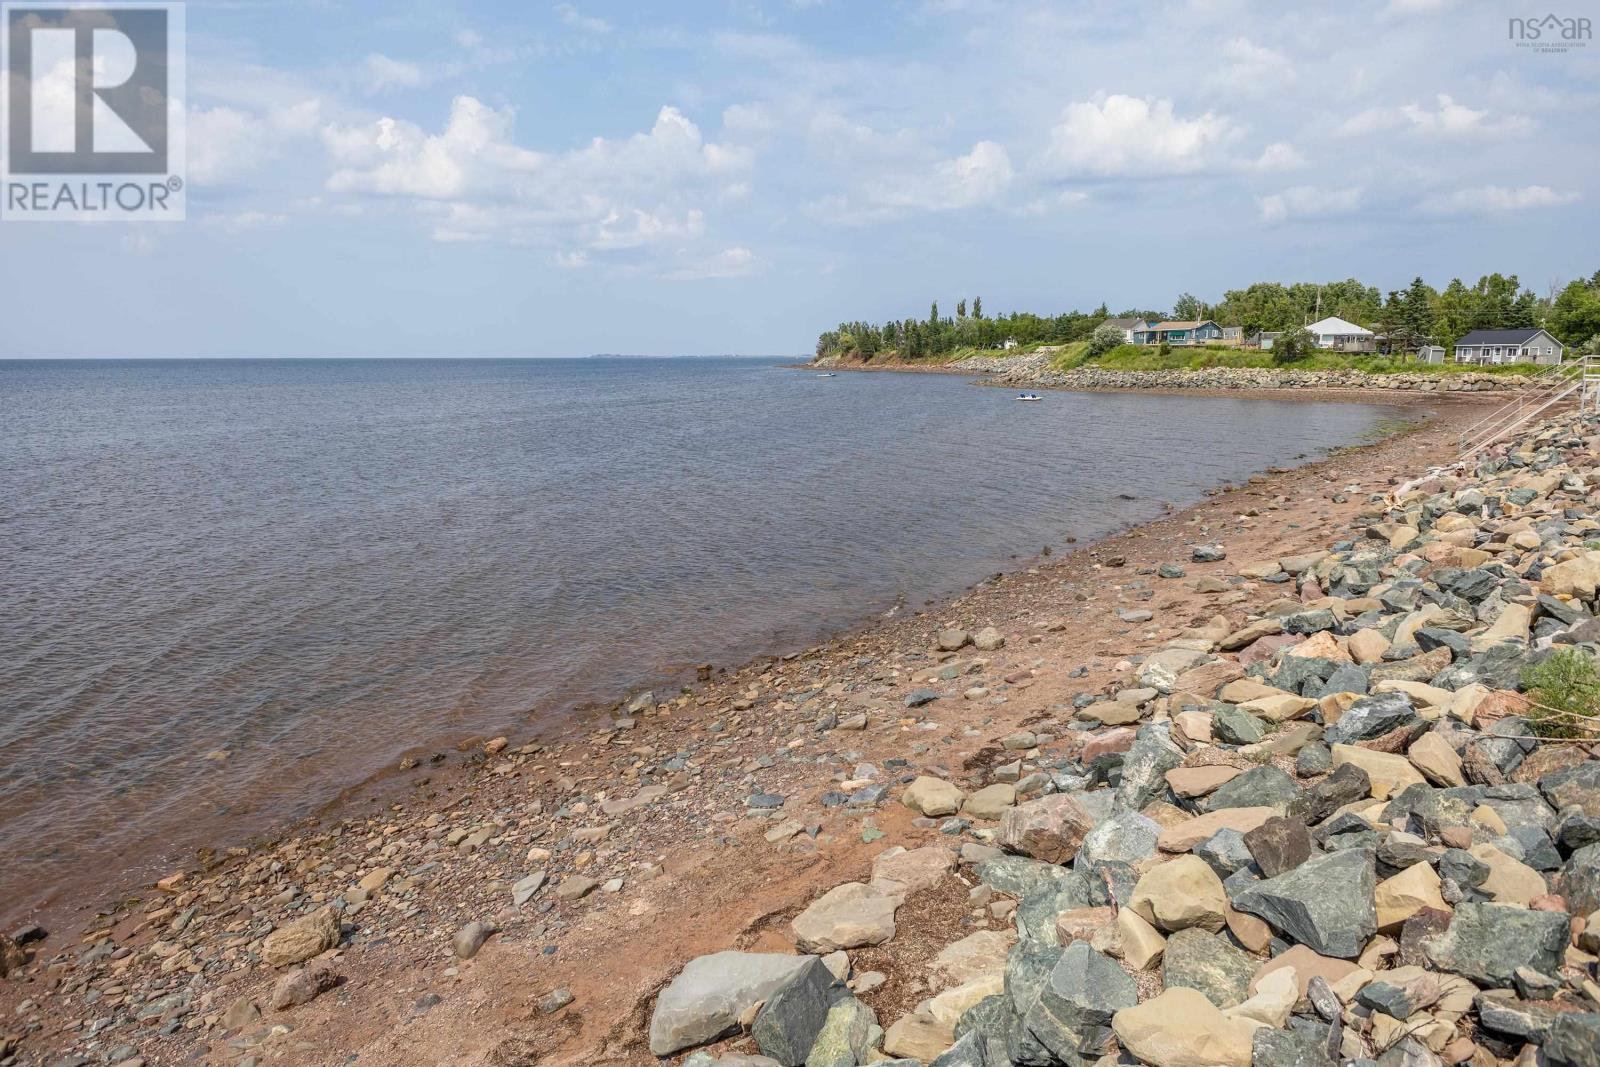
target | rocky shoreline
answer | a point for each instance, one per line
(1037, 371)
(1254, 784)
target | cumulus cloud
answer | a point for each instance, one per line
(1490, 199)
(882, 193)
(1248, 67)
(1308, 201)
(227, 143)
(381, 73)
(1446, 118)
(1280, 155)
(1130, 135)
(579, 21)
(471, 181)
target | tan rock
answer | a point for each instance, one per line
(1510, 880)
(1368, 646)
(1252, 932)
(933, 796)
(1207, 678)
(1179, 894)
(1512, 625)
(1437, 760)
(1142, 944)
(1250, 634)
(1248, 689)
(990, 802)
(1577, 577)
(846, 916)
(1279, 708)
(948, 1007)
(1081, 924)
(1321, 645)
(1407, 893)
(899, 872)
(1198, 781)
(1185, 836)
(975, 956)
(1426, 697)
(302, 939)
(1390, 773)
(1489, 819)
(1306, 965)
(1273, 1002)
(1196, 725)
(1181, 1028)
(375, 880)
(918, 1036)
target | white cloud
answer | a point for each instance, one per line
(1446, 119)
(381, 73)
(1489, 199)
(1279, 155)
(1129, 135)
(1248, 67)
(882, 192)
(1308, 201)
(472, 182)
(227, 143)
(579, 21)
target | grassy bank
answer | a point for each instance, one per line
(1141, 357)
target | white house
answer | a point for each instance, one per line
(1342, 336)
(1509, 346)
(1127, 326)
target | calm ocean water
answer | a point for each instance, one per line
(316, 566)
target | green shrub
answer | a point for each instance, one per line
(1566, 684)
(1104, 339)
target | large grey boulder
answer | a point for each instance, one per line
(1579, 880)
(789, 1022)
(1578, 785)
(1023, 877)
(970, 1051)
(1489, 942)
(846, 1035)
(1195, 959)
(708, 996)
(1072, 1016)
(1325, 904)
(1574, 1041)
(1145, 766)
(1259, 787)
(1370, 717)
(1126, 837)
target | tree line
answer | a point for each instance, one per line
(1409, 318)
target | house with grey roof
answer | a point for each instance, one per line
(1530, 345)
(1127, 326)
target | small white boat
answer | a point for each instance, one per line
(829, 374)
(1029, 396)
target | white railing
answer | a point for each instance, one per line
(1590, 401)
(1542, 393)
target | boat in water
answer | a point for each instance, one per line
(1029, 396)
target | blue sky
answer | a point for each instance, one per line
(433, 178)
